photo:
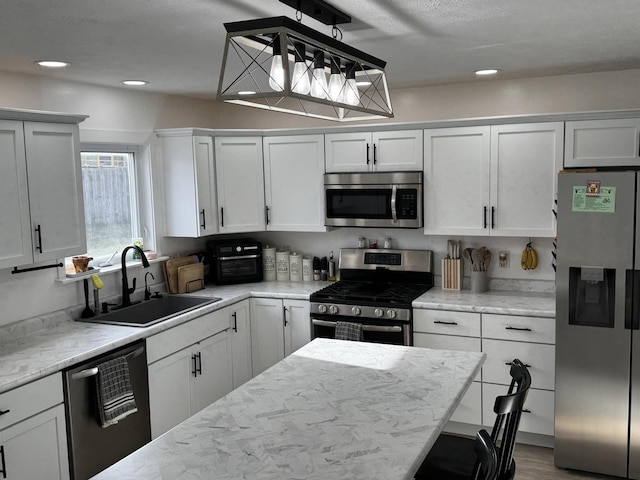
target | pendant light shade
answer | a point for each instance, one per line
(282, 65)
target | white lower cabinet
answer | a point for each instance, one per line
(502, 338)
(190, 367)
(240, 332)
(33, 439)
(278, 328)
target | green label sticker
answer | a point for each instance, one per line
(589, 199)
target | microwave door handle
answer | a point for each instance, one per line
(239, 257)
(394, 213)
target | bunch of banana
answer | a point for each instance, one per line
(529, 260)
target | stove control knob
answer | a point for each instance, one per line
(379, 312)
(391, 313)
(356, 311)
(322, 309)
(333, 310)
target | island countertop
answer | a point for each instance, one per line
(332, 410)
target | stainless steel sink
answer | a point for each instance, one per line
(152, 311)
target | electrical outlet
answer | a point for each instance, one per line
(503, 259)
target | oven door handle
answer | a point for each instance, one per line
(365, 328)
(238, 257)
(394, 213)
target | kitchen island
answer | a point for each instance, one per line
(332, 410)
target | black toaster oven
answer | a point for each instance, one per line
(234, 261)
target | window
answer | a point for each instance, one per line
(110, 200)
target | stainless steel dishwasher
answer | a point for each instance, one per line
(91, 447)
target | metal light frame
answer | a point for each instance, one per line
(245, 74)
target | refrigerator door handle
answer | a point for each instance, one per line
(632, 300)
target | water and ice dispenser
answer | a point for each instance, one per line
(591, 296)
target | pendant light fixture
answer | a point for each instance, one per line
(282, 65)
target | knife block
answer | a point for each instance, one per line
(451, 273)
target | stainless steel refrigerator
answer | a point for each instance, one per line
(597, 416)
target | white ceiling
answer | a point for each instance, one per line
(177, 45)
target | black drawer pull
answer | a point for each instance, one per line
(3, 471)
(445, 323)
(520, 329)
(511, 363)
(2, 412)
(526, 410)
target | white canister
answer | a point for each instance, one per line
(295, 267)
(282, 266)
(269, 263)
(307, 269)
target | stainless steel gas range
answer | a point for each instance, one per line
(376, 290)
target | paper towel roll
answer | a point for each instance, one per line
(295, 267)
(269, 263)
(282, 266)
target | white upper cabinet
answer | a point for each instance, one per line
(602, 143)
(240, 184)
(189, 186)
(373, 151)
(293, 169)
(498, 180)
(41, 192)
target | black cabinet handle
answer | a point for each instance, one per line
(445, 323)
(526, 410)
(199, 370)
(520, 329)
(284, 315)
(222, 216)
(2, 412)
(367, 154)
(4, 465)
(374, 154)
(39, 230)
(204, 220)
(511, 363)
(266, 213)
(235, 321)
(484, 217)
(493, 212)
(194, 371)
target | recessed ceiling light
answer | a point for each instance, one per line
(246, 92)
(52, 63)
(363, 83)
(488, 71)
(135, 83)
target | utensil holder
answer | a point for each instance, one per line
(479, 281)
(451, 273)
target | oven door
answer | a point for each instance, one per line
(395, 333)
(238, 269)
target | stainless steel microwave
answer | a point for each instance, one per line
(375, 199)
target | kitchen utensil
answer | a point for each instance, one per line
(190, 278)
(466, 253)
(478, 260)
(87, 312)
(171, 270)
(487, 259)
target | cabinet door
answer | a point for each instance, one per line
(240, 184)
(55, 190)
(294, 189)
(537, 416)
(456, 181)
(189, 186)
(397, 150)
(214, 378)
(525, 160)
(36, 447)
(602, 143)
(267, 333)
(240, 342)
(348, 152)
(170, 391)
(297, 330)
(15, 225)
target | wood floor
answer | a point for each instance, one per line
(536, 463)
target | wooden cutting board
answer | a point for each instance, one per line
(171, 271)
(190, 278)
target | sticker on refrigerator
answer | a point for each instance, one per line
(594, 198)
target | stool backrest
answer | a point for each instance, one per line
(487, 464)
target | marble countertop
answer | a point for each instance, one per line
(500, 302)
(45, 345)
(332, 410)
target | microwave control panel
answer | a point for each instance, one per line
(407, 203)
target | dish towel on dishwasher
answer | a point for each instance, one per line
(114, 392)
(349, 331)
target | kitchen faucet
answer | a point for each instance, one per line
(126, 291)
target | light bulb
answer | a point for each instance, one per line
(318, 79)
(351, 94)
(276, 73)
(336, 81)
(300, 77)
